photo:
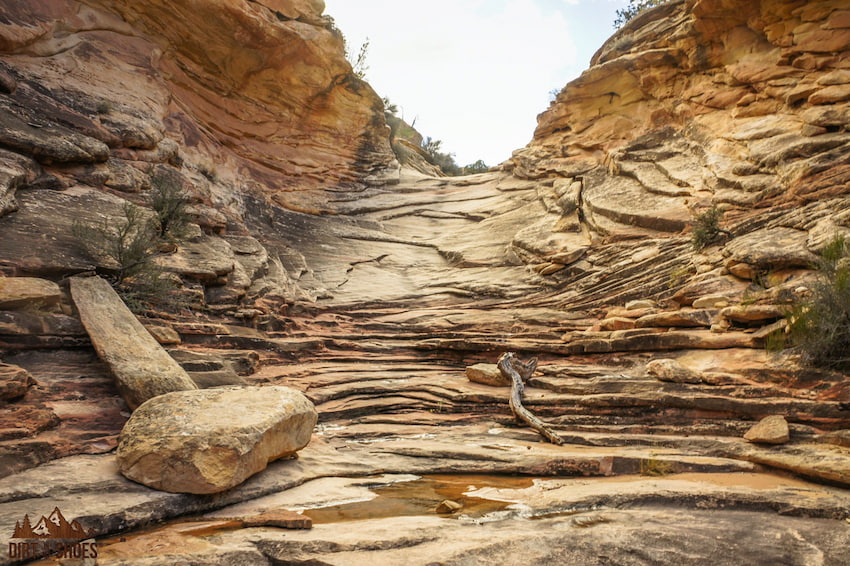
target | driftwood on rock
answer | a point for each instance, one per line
(520, 372)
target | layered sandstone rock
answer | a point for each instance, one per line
(270, 104)
(19, 292)
(578, 251)
(699, 103)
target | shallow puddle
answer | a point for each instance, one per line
(421, 497)
(482, 498)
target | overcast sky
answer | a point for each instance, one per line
(474, 73)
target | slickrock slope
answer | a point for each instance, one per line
(651, 356)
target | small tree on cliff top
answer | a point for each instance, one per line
(634, 8)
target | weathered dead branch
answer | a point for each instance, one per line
(520, 372)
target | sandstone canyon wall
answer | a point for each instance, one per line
(245, 104)
(313, 262)
(701, 102)
(258, 94)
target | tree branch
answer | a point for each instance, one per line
(520, 372)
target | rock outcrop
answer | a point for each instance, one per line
(698, 103)
(212, 440)
(271, 103)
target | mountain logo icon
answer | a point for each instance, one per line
(53, 526)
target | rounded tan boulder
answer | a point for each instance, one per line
(488, 374)
(210, 440)
(769, 430)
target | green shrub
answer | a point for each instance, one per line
(654, 467)
(819, 326)
(445, 161)
(127, 248)
(634, 8)
(707, 228)
(169, 203)
(477, 167)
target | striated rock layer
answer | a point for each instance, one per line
(257, 95)
(700, 102)
(578, 250)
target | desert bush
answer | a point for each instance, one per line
(127, 248)
(654, 467)
(477, 167)
(169, 203)
(124, 248)
(445, 161)
(706, 228)
(819, 326)
(634, 8)
(359, 65)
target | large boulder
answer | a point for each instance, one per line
(142, 368)
(210, 440)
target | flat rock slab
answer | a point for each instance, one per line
(280, 518)
(142, 368)
(208, 441)
(18, 292)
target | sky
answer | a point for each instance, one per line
(474, 73)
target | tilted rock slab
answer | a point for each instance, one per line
(142, 368)
(211, 440)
